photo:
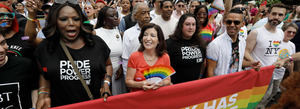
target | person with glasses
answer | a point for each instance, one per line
(90, 13)
(225, 54)
(186, 50)
(244, 30)
(264, 43)
(180, 8)
(287, 49)
(59, 83)
(18, 43)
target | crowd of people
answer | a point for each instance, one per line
(59, 52)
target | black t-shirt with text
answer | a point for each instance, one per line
(186, 59)
(17, 80)
(66, 87)
(18, 45)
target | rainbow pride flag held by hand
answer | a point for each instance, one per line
(155, 74)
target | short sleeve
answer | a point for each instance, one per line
(212, 51)
(131, 61)
(166, 59)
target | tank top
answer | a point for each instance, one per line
(267, 46)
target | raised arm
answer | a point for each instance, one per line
(32, 22)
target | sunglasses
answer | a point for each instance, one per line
(242, 8)
(236, 22)
(6, 15)
(289, 32)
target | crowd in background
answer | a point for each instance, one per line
(111, 43)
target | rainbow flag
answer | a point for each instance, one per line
(212, 11)
(160, 72)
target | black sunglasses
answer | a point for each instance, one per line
(236, 22)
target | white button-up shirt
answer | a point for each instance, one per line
(130, 44)
(220, 50)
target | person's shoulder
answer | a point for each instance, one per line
(136, 54)
(130, 30)
(43, 43)
(97, 39)
(165, 55)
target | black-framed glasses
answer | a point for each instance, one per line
(7, 15)
(229, 22)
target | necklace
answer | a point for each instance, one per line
(149, 59)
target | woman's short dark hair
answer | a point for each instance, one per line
(101, 17)
(206, 10)
(178, 34)
(52, 33)
(161, 46)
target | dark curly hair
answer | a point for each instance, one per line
(51, 30)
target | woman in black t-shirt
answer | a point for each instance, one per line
(186, 50)
(59, 82)
(18, 44)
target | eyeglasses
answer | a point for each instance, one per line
(236, 22)
(6, 15)
(289, 32)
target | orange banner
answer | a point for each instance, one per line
(242, 90)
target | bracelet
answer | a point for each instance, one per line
(43, 87)
(34, 20)
(43, 92)
(105, 81)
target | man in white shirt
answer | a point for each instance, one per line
(263, 44)
(225, 54)
(141, 14)
(166, 21)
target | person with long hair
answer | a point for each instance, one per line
(106, 28)
(206, 29)
(59, 83)
(90, 13)
(126, 8)
(186, 50)
(152, 52)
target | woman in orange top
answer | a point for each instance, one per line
(152, 52)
